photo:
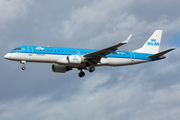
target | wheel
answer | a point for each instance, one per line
(91, 69)
(81, 74)
(23, 68)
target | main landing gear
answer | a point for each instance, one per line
(81, 74)
(91, 69)
(23, 62)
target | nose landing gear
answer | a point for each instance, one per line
(23, 62)
(23, 68)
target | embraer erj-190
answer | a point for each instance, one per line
(65, 59)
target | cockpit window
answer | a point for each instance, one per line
(17, 49)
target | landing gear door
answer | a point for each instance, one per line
(30, 51)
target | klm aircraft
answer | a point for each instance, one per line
(65, 59)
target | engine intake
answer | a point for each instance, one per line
(60, 68)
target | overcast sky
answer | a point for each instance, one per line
(149, 91)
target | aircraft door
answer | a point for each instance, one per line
(30, 51)
(132, 56)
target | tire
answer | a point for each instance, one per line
(81, 74)
(91, 69)
(23, 68)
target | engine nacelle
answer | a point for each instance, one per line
(60, 68)
(75, 59)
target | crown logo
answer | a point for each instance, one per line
(153, 40)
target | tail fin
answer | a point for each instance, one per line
(153, 43)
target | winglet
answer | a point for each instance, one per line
(127, 40)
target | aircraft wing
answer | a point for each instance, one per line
(102, 53)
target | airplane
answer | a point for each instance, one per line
(65, 59)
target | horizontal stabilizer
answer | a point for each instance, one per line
(161, 53)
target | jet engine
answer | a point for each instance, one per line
(60, 68)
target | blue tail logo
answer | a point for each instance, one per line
(153, 42)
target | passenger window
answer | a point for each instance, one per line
(44, 50)
(51, 50)
(62, 51)
(40, 50)
(48, 50)
(73, 51)
(55, 50)
(59, 51)
(70, 51)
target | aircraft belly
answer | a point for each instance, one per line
(119, 61)
(17, 56)
(47, 58)
(55, 58)
(124, 61)
(36, 57)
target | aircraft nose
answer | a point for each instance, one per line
(7, 56)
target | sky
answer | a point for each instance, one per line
(148, 91)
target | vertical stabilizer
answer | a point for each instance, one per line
(153, 43)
